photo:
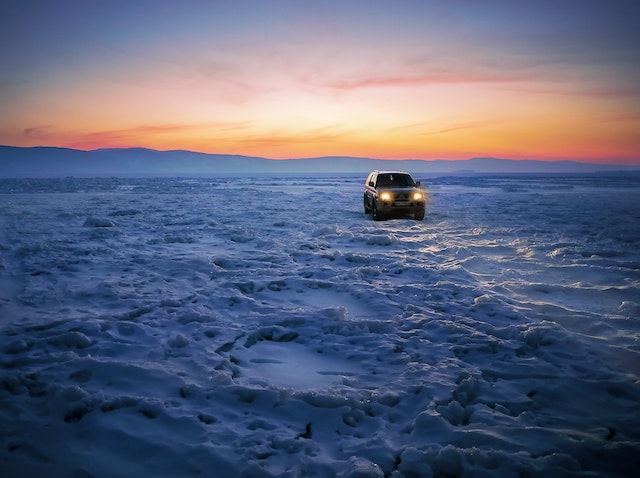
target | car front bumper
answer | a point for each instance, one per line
(398, 207)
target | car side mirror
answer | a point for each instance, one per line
(371, 183)
(417, 184)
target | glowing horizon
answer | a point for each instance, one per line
(389, 80)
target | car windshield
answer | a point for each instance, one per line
(390, 180)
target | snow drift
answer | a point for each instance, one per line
(267, 327)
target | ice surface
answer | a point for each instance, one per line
(264, 326)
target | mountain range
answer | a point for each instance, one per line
(42, 162)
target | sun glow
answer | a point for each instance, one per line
(299, 83)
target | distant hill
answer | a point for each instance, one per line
(42, 162)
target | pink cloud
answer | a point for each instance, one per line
(37, 132)
(144, 135)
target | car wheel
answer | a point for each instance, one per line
(376, 215)
(418, 214)
(367, 209)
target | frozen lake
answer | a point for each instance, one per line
(261, 326)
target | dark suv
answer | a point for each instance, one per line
(393, 193)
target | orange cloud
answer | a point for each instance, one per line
(153, 136)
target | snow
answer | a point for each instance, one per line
(265, 326)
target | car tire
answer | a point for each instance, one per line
(376, 214)
(418, 214)
(367, 209)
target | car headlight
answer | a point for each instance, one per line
(418, 196)
(385, 196)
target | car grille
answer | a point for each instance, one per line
(401, 199)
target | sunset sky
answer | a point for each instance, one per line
(421, 79)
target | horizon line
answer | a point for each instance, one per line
(588, 161)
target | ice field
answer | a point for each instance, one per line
(259, 326)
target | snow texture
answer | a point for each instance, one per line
(265, 326)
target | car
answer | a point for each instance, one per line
(393, 193)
